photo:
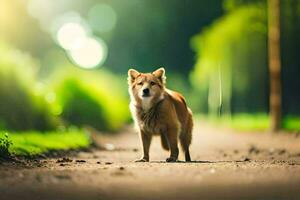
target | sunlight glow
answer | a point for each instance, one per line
(91, 54)
(50, 97)
(76, 38)
(71, 36)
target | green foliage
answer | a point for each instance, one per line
(91, 98)
(291, 123)
(20, 108)
(231, 73)
(78, 97)
(247, 122)
(230, 5)
(231, 56)
(34, 143)
(5, 144)
(252, 122)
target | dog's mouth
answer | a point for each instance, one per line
(146, 95)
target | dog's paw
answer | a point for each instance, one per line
(171, 159)
(142, 160)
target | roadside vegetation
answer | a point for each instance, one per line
(251, 122)
(32, 111)
(34, 143)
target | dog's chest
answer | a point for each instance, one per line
(151, 121)
(146, 104)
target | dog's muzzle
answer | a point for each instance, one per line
(146, 92)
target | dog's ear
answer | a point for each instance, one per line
(132, 74)
(160, 74)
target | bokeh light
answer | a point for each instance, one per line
(74, 36)
(45, 11)
(66, 17)
(102, 18)
(90, 54)
(71, 36)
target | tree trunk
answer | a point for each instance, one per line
(274, 63)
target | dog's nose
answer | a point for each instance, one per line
(146, 91)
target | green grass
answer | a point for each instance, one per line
(34, 143)
(253, 122)
(291, 123)
(244, 122)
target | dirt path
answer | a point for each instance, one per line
(227, 166)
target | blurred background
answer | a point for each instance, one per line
(64, 62)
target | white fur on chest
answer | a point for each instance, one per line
(147, 103)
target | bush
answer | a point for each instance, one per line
(4, 146)
(20, 108)
(33, 143)
(91, 98)
(78, 97)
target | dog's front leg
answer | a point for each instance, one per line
(146, 141)
(172, 138)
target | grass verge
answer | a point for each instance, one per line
(253, 122)
(34, 143)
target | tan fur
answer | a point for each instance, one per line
(164, 112)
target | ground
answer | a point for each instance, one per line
(227, 165)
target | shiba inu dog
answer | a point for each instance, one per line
(157, 110)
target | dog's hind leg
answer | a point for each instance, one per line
(164, 142)
(185, 138)
(173, 140)
(185, 144)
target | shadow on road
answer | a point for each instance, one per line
(203, 161)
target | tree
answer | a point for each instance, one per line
(233, 48)
(274, 63)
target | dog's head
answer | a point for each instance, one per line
(144, 86)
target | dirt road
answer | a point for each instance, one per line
(227, 166)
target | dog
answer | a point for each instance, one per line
(157, 110)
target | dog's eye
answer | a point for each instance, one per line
(140, 83)
(152, 83)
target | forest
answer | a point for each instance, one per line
(64, 64)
